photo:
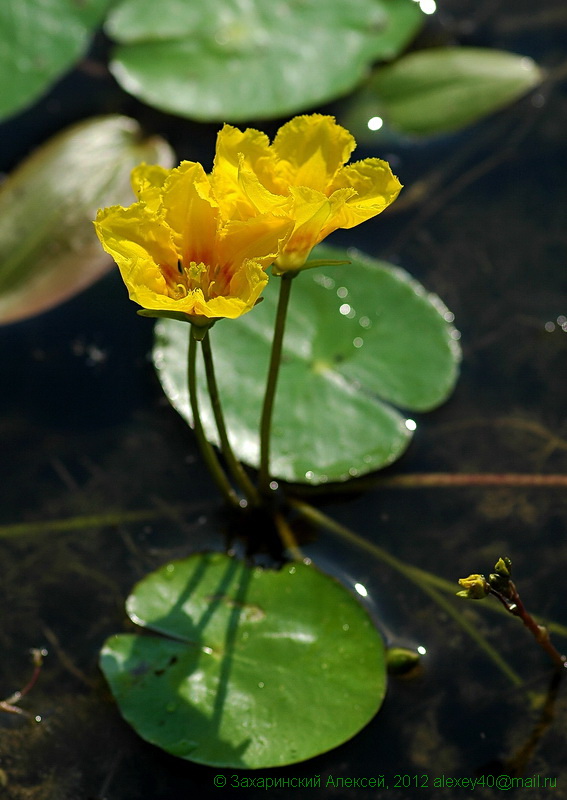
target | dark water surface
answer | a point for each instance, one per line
(85, 429)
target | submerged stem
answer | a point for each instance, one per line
(287, 537)
(442, 480)
(234, 465)
(205, 447)
(10, 704)
(273, 371)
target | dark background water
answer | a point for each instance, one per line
(85, 429)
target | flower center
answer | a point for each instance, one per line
(185, 280)
(211, 281)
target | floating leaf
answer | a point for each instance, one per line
(359, 339)
(39, 42)
(264, 668)
(443, 89)
(48, 247)
(227, 60)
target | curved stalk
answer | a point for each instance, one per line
(234, 465)
(513, 604)
(205, 447)
(271, 385)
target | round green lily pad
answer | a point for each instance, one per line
(361, 339)
(39, 42)
(231, 61)
(253, 668)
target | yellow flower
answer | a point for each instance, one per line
(178, 257)
(301, 175)
(475, 587)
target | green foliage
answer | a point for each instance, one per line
(253, 668)
(440, 90)
(39, 41)
(48, 247)
(227, 61)
(216, 60)
(360, 339)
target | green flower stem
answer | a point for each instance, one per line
(234, 465)
(287, 537)
(269, 397)
(413, 574)
(205, 446)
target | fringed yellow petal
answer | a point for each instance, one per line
(310, 149)
(232, 142)
(375, 189)
(339, 201)
(140, 244)
(225, 307)
(262, 200)
(143, 294)
(232, 146)
(192, 217)
(147, 181)
(245, 288)
(311, 211)
(260, 238)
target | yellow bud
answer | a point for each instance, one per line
(502, 567)
(475, 587)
